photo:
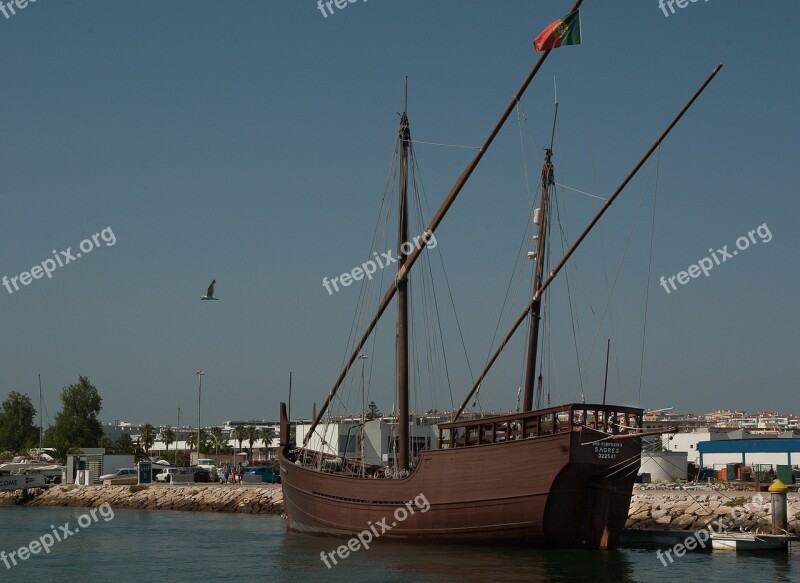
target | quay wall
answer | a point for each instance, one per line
(672, 510)
(264, 499)
(666, 510)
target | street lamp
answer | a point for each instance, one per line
(199, 374)
(363, 358)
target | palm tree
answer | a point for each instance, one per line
(61, 451)
(252, 434)
(147, 436)
(268, 434)
(125, 444)
(216, 438)
(106, 444)
(167, 436)
(191, 441)
(239, 434)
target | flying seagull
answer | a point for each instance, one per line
(210, 293)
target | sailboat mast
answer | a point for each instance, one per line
(402, 301)
(540, 216)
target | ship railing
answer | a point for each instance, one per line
(610, 419)
(334, 464)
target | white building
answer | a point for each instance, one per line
(687, 442)
(664, 466)
(343, 438)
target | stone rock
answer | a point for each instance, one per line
(682, 522)
(658, 513)
(663, 520)
(722, 510)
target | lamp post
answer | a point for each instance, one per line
(363, 358)
(199, 374)
(177, 436)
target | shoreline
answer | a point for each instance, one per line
(663, 510)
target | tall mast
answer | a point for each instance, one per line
(432, 225)
(540, 216)
(402, 301)
(554, 272)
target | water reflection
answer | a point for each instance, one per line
(389, 562)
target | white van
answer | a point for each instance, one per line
(209, 465)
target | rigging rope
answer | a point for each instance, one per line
(445, 145)
(649, 268)
(616, 277)
(581, 191)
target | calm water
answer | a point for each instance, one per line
(196, 546)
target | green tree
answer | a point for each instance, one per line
(252, 434)
(191, 441)
(373, 412)
(147, 437)
(215, 434)
(17, 431)
(239, 434)
(125, 444)
(167, 435)
(60, 452)
(106, 444)
(267, 434)
(76, 425)
(181, 459)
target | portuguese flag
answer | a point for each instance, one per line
(566, 31)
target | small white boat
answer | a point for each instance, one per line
(748, 541)
(20, 466)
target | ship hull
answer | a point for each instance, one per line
(547, 491)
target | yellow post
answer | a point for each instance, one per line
(780, 520)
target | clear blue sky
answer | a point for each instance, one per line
(249, 141)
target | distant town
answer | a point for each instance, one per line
(761, 422)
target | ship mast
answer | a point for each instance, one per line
(431, 227)
(402, 301)
(540, 217)
(554, 272)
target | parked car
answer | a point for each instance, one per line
(165, 474)
(271, 475)
(121, 473)
(200, 473)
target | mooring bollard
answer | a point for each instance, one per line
(780, 520)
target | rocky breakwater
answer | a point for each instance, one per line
(697, 510)
(266, 499)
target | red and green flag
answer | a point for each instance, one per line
(565, 31)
